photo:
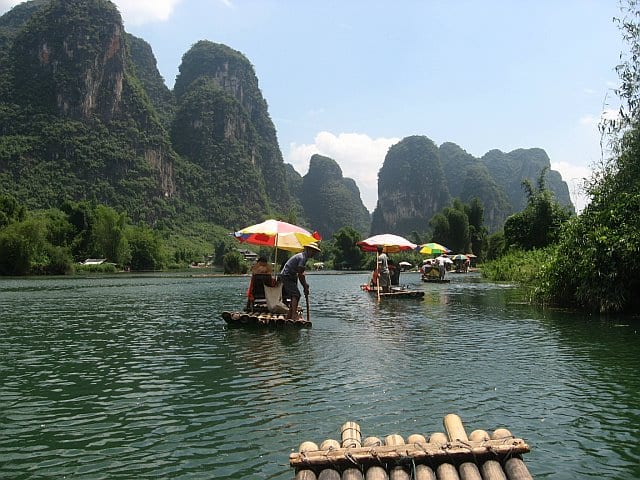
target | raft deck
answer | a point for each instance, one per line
(428, 279)
(263, 319)
(443, 456)
(396, 292)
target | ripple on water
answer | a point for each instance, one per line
(139, 377)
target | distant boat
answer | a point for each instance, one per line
(432, 279)
(396, 292)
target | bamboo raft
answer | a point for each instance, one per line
(396, 292)
(450, 456)
(429, 279)
(263, 319)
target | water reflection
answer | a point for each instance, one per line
(138, 376)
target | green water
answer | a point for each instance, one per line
(139, 377)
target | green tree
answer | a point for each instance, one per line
(451, 227)
(538, 225)
(347, 255)
(23, 246)
(10, 210)
(108, 235)
(597, 263)
(478, 232)
(233, 263)
(146, 249)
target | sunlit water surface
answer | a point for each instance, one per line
(139, 377)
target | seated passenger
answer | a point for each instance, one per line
(261, 275)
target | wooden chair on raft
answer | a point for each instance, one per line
(256, 298)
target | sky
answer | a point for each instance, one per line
(347, 79)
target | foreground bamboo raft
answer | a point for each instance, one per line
(443, 456)
(261, 319)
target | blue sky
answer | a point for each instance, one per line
(349, 78)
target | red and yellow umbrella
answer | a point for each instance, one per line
(278, 234)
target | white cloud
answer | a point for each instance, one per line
(134, 12)
(138, 12)
(574, 175)
(6, 5)
(359, 156)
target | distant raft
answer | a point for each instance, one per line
(396, 292)
(432, 279)
(263, 319)
(443, 456)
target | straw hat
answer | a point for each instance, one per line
(313, 246)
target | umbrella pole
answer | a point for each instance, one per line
(275, 260)
(378, 280)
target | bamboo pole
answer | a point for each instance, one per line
(376, 472)
(492, 470)
(455, 429)
(351, 436)
(329, 474)
(469, 471)
(398, 473)
(352, 474)
(305, 475)
(378, 270)
(425, 472)
(516, 469)
(447, 471)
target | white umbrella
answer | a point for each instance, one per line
(444, 259)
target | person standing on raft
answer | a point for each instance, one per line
(292, 272)
(384, 274)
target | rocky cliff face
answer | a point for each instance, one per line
(70, 87)
(418, 179)
(79, 79)
(331, 201)
(510, 169)
(114, 130)
(411, 187)
(234, 113)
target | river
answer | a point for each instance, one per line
(138, 376)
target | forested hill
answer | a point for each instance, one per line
(85, 115)
(332, 201)
(418, 179)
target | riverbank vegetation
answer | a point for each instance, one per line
(594, 263)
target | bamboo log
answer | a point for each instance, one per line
(376, 473)
(425, 472)
(371, 442)
(352, 474)
(416, 438)
(438, 438)
(418, 453)
(398, 473)
(516, 469)
(479, 436)
(330, 444)
(329, 474)
(469, 471)
(394, 439)
(500, 433)
(492, 470)
(307, 447)
(305, 475)
(351, 436)
(447, 471)
(455, 429)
